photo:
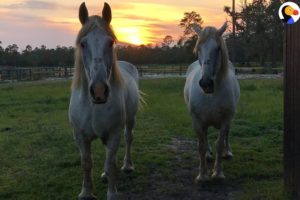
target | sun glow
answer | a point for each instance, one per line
(135, 39)
(131, 34)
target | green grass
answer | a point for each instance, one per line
(39, 159)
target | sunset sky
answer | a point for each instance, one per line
(55, 22)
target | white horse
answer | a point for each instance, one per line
(104, 98)
(211, 93)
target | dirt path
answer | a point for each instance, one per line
(181, 186)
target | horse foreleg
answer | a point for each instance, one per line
(202, 149)
(218, 171)
(128, 165)
(227, 152)
(110, 164)
(86, 163)
(208, 155)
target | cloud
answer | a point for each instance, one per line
(40, 5)
(137, 17)
(35, 31)
(34, 5)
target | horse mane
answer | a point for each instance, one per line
(212, 32)
(79, 73)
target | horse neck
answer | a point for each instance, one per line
(222, 72)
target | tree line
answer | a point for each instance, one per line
(259, 38)
(37, 57)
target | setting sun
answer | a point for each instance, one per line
(134, 39)
(129, 34)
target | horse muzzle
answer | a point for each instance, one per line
(99, 93)
(207, 86)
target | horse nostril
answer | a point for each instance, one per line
(92, 91)
(210, 83)
(99, 92)
(207, 85)
(106, 91)
(201, 82)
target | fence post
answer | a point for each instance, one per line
(141, 68)
(30, 74)
(180, 70)
(66, 72)
(292, 109)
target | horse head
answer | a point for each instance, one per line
(95, 43)
(212, 54)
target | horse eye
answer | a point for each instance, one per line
(82, 44)
(111, 43)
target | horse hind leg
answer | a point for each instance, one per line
(86, 163)
(128, 165)
(208, 155)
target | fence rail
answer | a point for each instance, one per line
(34, 73)
(40, 73)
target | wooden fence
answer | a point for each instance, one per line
(34, 73)
(40, 73)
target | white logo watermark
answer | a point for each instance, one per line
(289, 12)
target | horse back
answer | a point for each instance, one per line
(131, 89)
(128, 71)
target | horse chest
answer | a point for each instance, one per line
(104, 119)
(211, 110)
(96, 120)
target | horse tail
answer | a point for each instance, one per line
(142, 101)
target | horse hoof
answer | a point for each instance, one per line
(227, 155)
(90, 197)
(202, 178)
(104, 177)
(127, 168)
(218, 176)
(209, 157)
(112, 196)
(87, 198)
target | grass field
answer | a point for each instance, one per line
(39, 159)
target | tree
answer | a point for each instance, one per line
(189, 38)
(276, 33)
(12, 48)
(1, 48)
(28, 49)
(189, 19)
(1, 53)
(259, 32)
(167, 41)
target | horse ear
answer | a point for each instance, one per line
(83, 13)
(106, 13)
(223, 29)
(196, 28)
